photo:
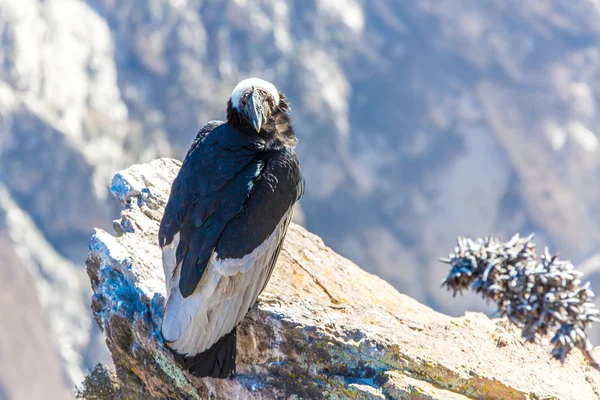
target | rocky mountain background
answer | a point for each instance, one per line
(418, 121)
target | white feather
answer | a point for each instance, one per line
(246, 84)
(233, 266)
(227, 290)
(169, 261)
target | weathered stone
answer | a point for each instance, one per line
(400, 386)
(323, 328)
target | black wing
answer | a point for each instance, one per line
(276, 189)
(215, 179)
(202, 134)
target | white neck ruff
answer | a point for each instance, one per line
(246, 84)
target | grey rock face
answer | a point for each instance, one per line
(46, 325)
(323, 328)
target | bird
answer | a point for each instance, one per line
(224, 225)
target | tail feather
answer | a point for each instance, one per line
(217, 362)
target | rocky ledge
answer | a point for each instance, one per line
(323, 327)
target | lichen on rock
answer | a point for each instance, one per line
(323, 327)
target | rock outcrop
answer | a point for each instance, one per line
(323, 327)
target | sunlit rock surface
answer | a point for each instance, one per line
(322, 328)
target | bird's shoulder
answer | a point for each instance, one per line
(218, 136)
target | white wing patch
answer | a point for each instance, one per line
(169, 261)
(225, 293)
(233, 266)
(246, 84)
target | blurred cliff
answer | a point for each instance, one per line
(418, 121)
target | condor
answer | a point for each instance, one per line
(224, 225)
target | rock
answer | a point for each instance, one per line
(26, 335)
(43, 304)
(323, 327)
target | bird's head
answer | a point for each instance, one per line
(254, 102)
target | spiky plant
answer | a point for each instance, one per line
(540, 295)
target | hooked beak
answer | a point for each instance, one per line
(254, 109)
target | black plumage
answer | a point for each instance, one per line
(229, 207)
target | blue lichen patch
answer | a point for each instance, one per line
(122, 189)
